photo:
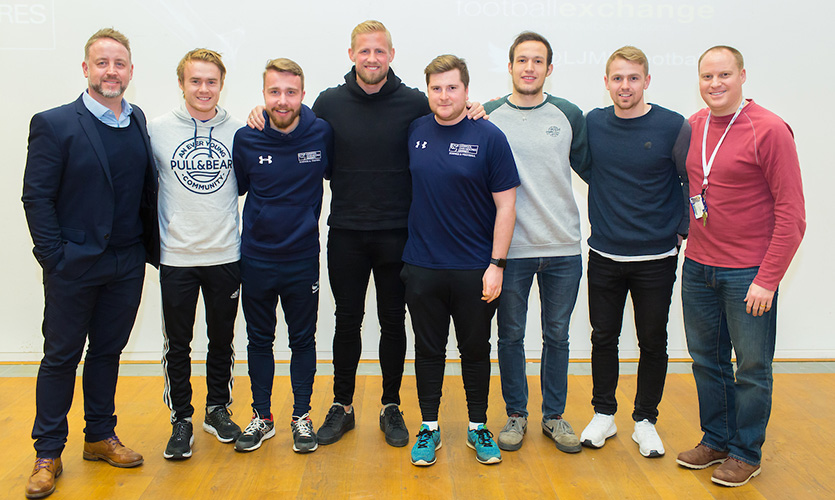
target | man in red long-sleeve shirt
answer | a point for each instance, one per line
(748, 220)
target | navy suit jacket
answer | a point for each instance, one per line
(68, 192)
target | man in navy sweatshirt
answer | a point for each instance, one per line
(281, 169)
(638, 216)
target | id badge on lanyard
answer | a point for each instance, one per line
(699, 202)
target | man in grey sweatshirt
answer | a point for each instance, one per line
(547, 135)
(200, 245)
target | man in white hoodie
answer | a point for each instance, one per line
(200, 245)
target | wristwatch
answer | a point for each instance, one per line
(499, 262)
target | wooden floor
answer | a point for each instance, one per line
(361, 465)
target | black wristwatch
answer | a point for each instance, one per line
(499, 262)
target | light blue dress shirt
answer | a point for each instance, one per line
(104, 114)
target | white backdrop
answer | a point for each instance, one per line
(785, 46)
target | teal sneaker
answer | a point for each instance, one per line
(423, 452)
(481, 440)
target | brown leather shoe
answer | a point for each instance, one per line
(701, 457)
(112, 451)
(42, 481)
(735, 473)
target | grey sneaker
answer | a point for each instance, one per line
(511, 435)
(563, 435)
(304, 439)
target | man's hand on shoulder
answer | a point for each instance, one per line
(475, 111)
(256, 118)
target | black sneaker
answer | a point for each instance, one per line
(255, 433)
(182, 437)
(304, 439)
(221, 426)
(337, 423)
(391, 422)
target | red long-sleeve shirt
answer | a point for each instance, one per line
(756, 213)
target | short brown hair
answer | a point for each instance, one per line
(631, 54)
(284, 65)
(367, 27)
(740, 63)
(448, 62)
(106, 33)
(530, 36)
(210, 56)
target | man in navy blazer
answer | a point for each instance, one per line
(89, 193)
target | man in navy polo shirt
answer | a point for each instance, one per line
(460, 224)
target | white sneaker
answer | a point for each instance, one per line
(601, 428)
(647, 438)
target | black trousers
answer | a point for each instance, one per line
(352, 257)
(651, 285)
(99, 308)
(180, 287)
(433, 297)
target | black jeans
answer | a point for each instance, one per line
(352, 256)
(179, 288)
(651, 285)
(435, 295)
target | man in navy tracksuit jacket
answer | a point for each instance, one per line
(281, 169)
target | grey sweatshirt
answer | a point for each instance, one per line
(547, 140)
(198, 194)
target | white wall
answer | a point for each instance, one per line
(785, 46)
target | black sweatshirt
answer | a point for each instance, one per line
(370, 184)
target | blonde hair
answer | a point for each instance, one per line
(284, 65)
(367, 27)
(631, 54)
(107, 33)
(448, 62)
(209, 56)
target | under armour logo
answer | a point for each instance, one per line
(268, 159)
(419, 145)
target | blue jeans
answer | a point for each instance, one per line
(559, 280)
(733, 413)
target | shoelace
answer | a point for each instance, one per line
(564, 426)
(221, 414)
(424, 437)
(484, 437)
(43, 463)
(114, 441)
(396, 420)
(332, 415)
(515, 425)
(180, 430)
(303, 426)
(256, 424)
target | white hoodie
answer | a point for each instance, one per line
(198, 194)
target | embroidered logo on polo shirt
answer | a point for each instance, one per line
(553, 131)
(469, 150)
(201, 165)
(310, 156)
(268, 159)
